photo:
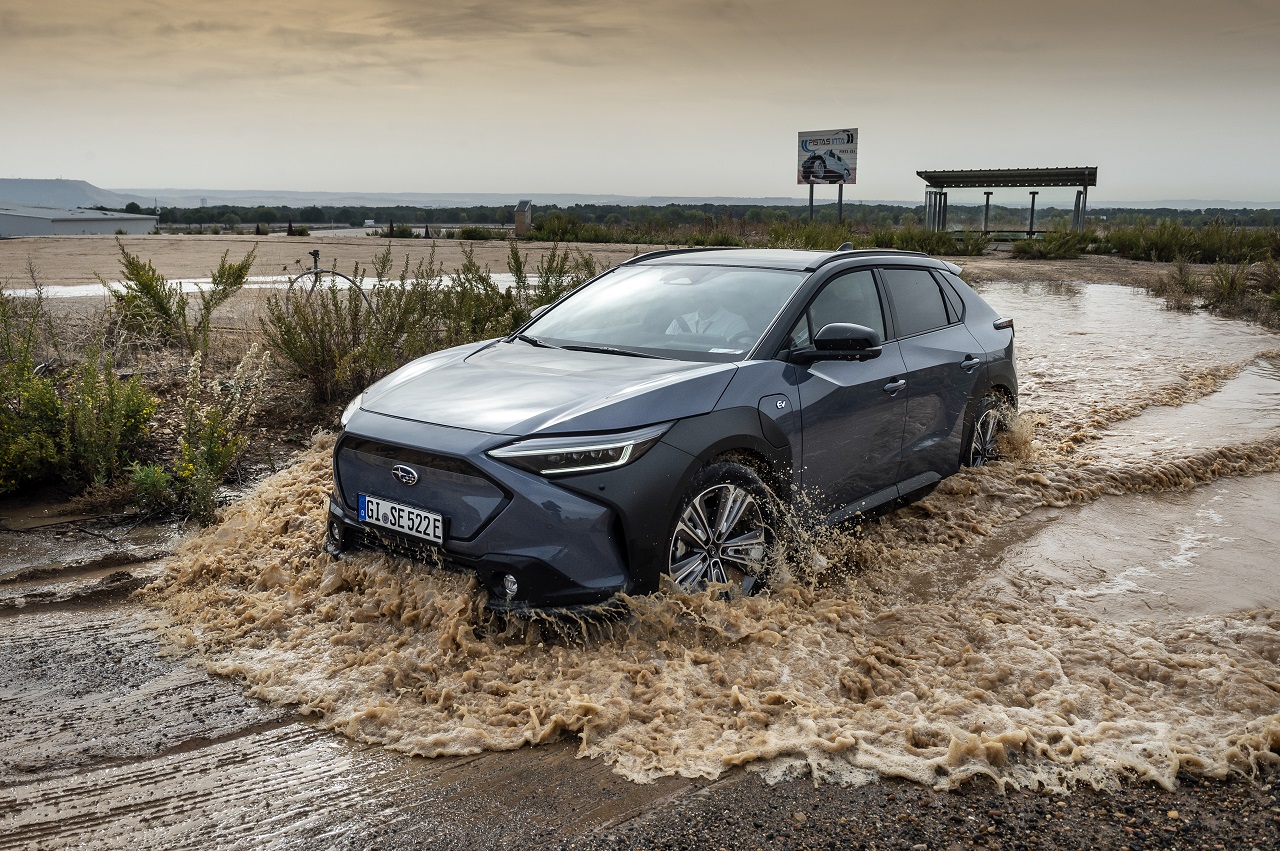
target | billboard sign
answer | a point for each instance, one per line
(828, 156)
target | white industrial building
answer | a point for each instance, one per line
(50, 221)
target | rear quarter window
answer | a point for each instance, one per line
(955, 304)
(918, 304)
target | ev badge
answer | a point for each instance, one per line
(782, 403)
(406, 475)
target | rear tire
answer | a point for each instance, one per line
(982, 440)
(723, 530)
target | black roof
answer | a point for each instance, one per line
(765, 258)
(980, 178)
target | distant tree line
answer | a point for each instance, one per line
(677, 215)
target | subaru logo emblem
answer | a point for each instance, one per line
(406, 475)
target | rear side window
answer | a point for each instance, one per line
(955, 307)
(918, 305)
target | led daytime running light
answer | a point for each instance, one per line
(564, 455)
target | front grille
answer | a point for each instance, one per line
(447, 484)
(407, 455)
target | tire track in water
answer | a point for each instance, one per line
(89, 687)
(112, 740)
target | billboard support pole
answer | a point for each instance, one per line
(986, 213)
(840, 204)
(810, 202)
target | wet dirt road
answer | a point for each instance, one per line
(1102, 613)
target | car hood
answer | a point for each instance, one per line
(517, 389)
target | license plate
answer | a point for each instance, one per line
(402, 518)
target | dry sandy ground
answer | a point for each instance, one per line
(69, 260)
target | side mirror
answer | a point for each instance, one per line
(841, 341)
(538, 311)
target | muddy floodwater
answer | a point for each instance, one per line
(1100, 610)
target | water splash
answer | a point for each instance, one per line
(884, 650)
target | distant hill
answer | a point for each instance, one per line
(80, 193)
(61, 193)
(271, 198)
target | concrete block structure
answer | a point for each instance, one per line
(524, 217)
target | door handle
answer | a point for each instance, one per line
(970, 362)
(894, 386)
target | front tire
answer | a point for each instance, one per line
(722, 531)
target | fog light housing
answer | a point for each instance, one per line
(509, 585)
(333, 541)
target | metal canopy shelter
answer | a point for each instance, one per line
(938, 182)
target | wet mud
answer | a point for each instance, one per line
(1100, 610)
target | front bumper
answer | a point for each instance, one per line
(567, 542)
(547, 575)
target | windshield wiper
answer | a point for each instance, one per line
(609, 350)
(533, 341)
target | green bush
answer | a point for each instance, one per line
(915, 238)
(80, 426)
(213, 435)
(1179, 287)
(1266, 277)
(1226, 285)
(556, 227)
(972, 243)
(342, 339)
(152, 487)
(882, 236)
(473, 233)
(30, 412)
(30, 426)
(323, 337)
(716, 238)
(1216, 242)
(104, 419)
(341, 343)
(155, 310)
(814, 236)
(1059, 243)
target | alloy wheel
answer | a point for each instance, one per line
(985, 431)
(721, 536)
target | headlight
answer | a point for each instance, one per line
(351, 409)
(558, 456)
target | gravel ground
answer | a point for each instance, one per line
(1231, 814)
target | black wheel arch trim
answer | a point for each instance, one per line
(646, 512)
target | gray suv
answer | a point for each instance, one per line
(652, 420)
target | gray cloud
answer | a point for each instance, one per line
(200, 27)
(985, 83)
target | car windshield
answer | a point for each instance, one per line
(704, 313)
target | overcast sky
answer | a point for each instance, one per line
(1169, 98)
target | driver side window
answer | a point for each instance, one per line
(850, 298)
